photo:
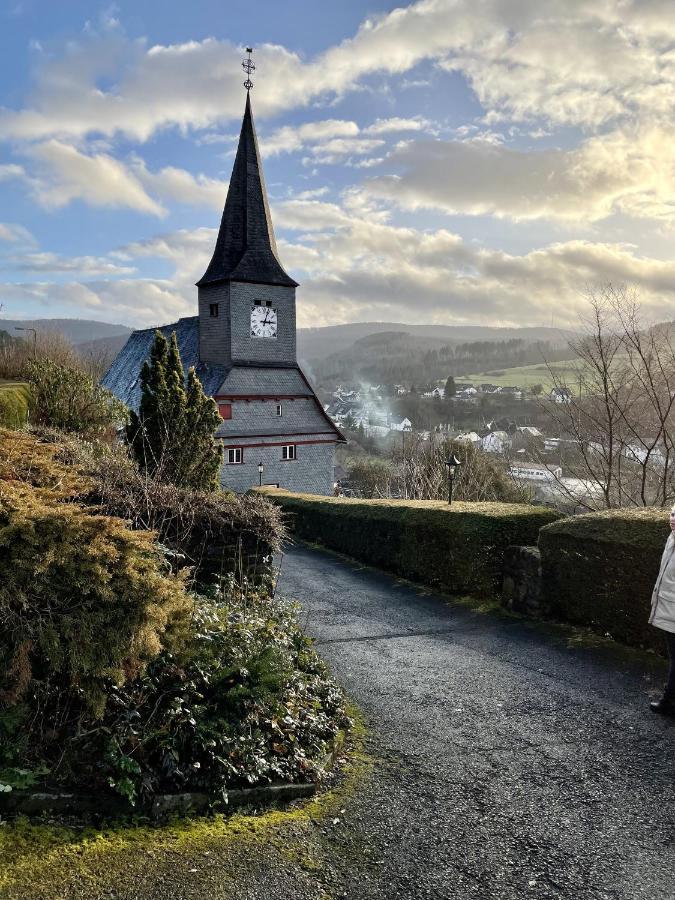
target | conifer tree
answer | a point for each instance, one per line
(172, 437)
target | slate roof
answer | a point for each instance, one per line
(244, 380)
(246, 249)
(122, 378)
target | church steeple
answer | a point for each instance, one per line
(246, 249)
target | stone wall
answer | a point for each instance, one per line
(521, 584)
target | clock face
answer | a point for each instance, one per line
(263, 322)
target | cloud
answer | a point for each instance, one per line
(64, 173)
(355, 268)
(171, 183)
(292, 138)
(135, 301)
(11, 170)
(397, 124)
(584, 63)
(67, 174)
(626, 171)
(15, 234)
(84, 266)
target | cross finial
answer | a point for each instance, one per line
(248, 66)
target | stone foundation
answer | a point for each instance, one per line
(521, 586)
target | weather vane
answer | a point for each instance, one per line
(248, 66)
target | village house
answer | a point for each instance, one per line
(561, 395)
(468, 437)
(403, 425)
(535, 472)
(496, 442)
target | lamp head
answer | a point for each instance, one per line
(261, 468)
(452, 462)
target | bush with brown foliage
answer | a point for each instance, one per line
(83, 598)
(215, 534)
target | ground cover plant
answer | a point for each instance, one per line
(123, 669)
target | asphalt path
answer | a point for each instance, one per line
(507, 763)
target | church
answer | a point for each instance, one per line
(242, 344)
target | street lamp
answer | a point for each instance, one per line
(19, 328)
(261, 469)
(451, 462)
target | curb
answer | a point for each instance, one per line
(35, 803)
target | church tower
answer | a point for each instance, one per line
(242, 344)
(247, 326)
(246, 299)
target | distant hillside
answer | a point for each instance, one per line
(78, 331)
(398, 357)
(317, 343)
(103, 348)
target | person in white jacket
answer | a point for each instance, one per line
(663, 617)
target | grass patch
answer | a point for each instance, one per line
(14, 403)
(525, 376)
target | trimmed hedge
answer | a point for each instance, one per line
(14, 403)
(459, 548)
(599, 570)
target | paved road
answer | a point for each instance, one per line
(507, 764)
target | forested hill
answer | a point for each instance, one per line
(394, 357)
(77, 331)
(318, 343)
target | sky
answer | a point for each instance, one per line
(446, 161)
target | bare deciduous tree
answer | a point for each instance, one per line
(616, 414)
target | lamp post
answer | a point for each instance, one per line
(451, 462)
(19, 328)
(261, 469)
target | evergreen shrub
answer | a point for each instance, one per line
(67, 398)
(83, 599)
(459, 548)
(599, 570)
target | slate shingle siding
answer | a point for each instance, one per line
(311, 472)
(122, 378)
(214, 332)
(259, 417)
(252, 379)
(280, 349)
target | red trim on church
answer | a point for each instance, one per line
(221, 397)
(272, 444)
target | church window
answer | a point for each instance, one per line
(225, 410)
(288, 452)
(213, 310)
(280, 409)
(234, 456)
